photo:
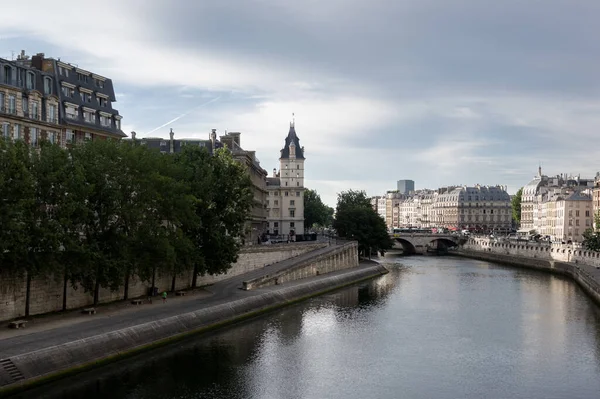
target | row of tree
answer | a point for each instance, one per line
(97, 214)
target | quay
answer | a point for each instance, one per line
(581, 265)
(57, 345)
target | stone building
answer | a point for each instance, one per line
(534, 194)
(565, 214)
(29, 103)
(58, 102)
(256, 225)
(285, 199)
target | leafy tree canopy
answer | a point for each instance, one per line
(516, 206)
(355, 219)
(316, 213)
(591, 237)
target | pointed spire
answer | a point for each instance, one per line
(293, 122)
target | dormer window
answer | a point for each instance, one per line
(47, 85)
(29, 82)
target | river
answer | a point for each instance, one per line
(434, 327)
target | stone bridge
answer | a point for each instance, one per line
(419, 243)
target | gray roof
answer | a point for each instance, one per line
(273, 181)
(578, 196)
(292, 138)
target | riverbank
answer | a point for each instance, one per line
(28, 359)
(587, 277)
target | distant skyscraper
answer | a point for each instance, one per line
(406, 186)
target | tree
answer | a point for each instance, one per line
(591, 236)
(516, 206)
(315, 211)
(355, 219)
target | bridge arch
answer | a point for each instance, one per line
(407, 246)
(443, 243)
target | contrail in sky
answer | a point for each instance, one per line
(184, 114)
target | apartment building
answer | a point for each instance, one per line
(29, 103)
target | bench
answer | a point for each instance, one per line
(136, 302)
(17, 323)
(89, 311)
(180, 293)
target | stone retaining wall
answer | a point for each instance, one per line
(46, 294)
(553, 258)
(61, 359)
(338, 258)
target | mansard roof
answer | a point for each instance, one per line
(292, 138)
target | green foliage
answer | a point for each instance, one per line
(101, 212)
(516, 206)
(316, 213)
(591, 236)
(356, 220)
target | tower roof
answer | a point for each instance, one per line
(292, 138)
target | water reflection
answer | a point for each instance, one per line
(433, 327)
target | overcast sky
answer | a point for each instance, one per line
(438, 91)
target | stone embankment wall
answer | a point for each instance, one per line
(569, 260)
(46, 294)
(338, 258)
(68, 357)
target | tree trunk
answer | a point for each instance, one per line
(173, 282)
(96, 292)
(126, 286)
(65, 282)
(27, 294)
(153, 278)
(195, 276)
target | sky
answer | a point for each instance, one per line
(442, 92)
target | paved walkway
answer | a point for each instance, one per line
(56, 329)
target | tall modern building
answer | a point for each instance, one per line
(406, 186)
(285, 198)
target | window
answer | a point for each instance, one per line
(297, 184)
(276, 202)
(68, 91)
(86, 97)
(35, 110)
(297, 166)
(105, 121)
(12, 104)
(275, 224)
(570, 213)
(577, 213)
(5, 130)
(71, 112)
(47, 85)
(297, 193)
(25, 105)
(102, 101)
(82, 77)
(63, 71)
(286, 183)
(2, 101)
(51, 137)
(69, 136)
(99, 82)
(52, 114)
(29, 82)
(292, 202)
(576, 222)
(17, 132)
(587, 213)
(292, 213)
(7, 74)
(292, 224)
(33, 136)
(118, 123)
(286, 194)
(87, 136)
(89, 117)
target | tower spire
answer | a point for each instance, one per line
(293, 123)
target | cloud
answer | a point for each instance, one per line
(441, 92)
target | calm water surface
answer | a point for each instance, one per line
(434, 327)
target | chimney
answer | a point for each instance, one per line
(133, 135)
(37, 60)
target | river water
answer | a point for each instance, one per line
(434, 327)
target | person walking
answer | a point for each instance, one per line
(164, 296)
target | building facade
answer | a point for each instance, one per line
(256, 225)
(285, 199)
(406, 186)
(29, 103)
(48, 99)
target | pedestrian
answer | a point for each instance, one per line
(164, 296)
